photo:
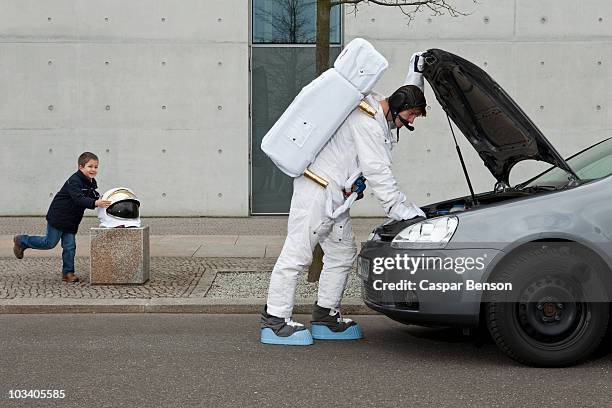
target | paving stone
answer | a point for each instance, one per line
(30, 277)
(171, 277)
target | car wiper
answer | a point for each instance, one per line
(537, 188)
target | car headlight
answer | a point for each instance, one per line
(433, 233)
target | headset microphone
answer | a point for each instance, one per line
(406, 97)
(406, 124)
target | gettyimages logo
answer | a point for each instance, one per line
(413, 264)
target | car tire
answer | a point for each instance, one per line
(605, 347)
(532, 326)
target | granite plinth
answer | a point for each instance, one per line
(119, 256)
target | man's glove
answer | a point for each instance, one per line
(405, 211)
(415, 72)
(358, 187)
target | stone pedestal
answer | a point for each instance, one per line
(119, 255)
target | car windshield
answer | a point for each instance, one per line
(590, 164)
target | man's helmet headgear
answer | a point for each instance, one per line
(404, 98)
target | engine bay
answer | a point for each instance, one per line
(389, 230)
(466, 203)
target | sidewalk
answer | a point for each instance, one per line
(198, 265)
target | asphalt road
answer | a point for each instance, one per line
(217, 361)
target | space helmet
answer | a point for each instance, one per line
(124, 210)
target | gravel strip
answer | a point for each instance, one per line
(231, 285)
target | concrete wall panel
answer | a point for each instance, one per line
(39, 86)
(158, 89)
(124, 21)
(163, 86)
(176, 172)
(36, 20)
(557, 20)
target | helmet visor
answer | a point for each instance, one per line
(126, 209)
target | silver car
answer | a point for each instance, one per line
(530, 262)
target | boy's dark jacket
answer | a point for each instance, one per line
(67, 208)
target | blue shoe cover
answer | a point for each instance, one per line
(299, 338)
(322, 332)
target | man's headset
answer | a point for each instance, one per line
(406, 97)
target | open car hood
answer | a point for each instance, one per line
(493, 123)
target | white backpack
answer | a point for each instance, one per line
(321, 106)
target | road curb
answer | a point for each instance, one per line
(160, 305)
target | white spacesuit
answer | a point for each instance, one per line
(362, 145)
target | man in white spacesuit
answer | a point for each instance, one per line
(363, 145)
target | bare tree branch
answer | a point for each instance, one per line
(407, 7)
(438, 7)
(381, 2)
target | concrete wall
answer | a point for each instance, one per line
(552, 56)
(160, 90)
(157, 88)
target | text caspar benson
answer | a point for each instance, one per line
(413, 264)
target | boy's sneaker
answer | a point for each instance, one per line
(70, 277)
(328, 324)
(278, 330)
(17, 248)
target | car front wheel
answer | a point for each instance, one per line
(551, 319)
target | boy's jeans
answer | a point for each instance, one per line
(50, 241)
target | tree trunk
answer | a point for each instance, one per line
(323, 29)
